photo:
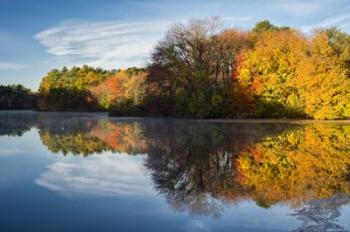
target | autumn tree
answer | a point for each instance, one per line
(323, 77)
(193, 65)
(290, 75)
(126, 88)
(268, 71)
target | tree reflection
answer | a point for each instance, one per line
(123, 137)
(296, 166)
(69, 134)
(15, 123)
(321, 215)
(193, 164)
(92, 136)
(199, 166)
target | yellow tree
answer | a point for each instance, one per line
(322, 81)
(267, 72)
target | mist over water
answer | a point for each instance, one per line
(66, 171)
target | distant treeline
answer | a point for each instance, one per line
(202, 70)
(17, 97)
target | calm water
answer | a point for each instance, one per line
(85, 172)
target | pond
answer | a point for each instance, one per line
(88, 172)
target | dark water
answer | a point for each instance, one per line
(85, 172)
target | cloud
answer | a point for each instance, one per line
(334, 20)
(196, 225)
(341, 20)
(306, 8)
(11, 66)
(301, 8)
(10, 151)
(111, 44)
(98, 176)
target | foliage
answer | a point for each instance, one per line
(203, 70)
(193, 64)
(87, 88)
(268, 71)
(266, 26)
(74, 78)
(323, 79)
(290, 75)
(126, 86)
(68, 88)
(16, 97)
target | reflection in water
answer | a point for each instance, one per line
(193, 164)
(107, 175)
(298, 165)
(92, 136)
(199, 166)
(321, 215)
(16, 123)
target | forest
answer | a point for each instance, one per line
(201, 69)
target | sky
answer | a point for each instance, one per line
(39, 35)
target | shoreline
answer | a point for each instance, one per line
(276, 120)
(211, 120)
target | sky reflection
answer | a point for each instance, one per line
(98, 175)
(153, 173)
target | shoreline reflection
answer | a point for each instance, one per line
(199, 167)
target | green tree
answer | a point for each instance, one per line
(69, 88)
(17, 97)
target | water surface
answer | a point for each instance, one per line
(88, 172)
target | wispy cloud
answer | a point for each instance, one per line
(10, 151)
(196, 225)
(111, 44)
(341, 20)
(300, 7)
(335, 20)
(305, 7)
(100, 175)
(10, 65)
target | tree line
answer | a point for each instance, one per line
(16, 97)
(202, 70)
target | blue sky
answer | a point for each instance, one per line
(38, 35)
